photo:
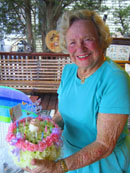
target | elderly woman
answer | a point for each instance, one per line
(94, 101)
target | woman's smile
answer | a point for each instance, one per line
(83, 57)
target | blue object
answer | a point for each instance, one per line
(10, 97)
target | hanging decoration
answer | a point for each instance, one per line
(52, 41)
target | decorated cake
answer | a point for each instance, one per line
(30, 138)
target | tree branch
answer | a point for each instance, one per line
(15, 7)
(58, 7)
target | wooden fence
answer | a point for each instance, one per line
(31, 72)
(34, 72)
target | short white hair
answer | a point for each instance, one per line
(70, 16)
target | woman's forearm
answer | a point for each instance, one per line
(86, 156)
(109, 128)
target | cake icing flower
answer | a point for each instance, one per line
(31, 138)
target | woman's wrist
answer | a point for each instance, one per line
(62, 165)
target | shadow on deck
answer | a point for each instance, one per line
(49, 101)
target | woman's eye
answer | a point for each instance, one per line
(72, 43)
(88, 39)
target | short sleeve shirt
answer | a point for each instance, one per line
(106, 91)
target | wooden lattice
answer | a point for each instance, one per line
(38, 72)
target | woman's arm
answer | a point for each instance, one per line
(58, 119)
(109, 128)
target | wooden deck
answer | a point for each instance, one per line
(48, 101)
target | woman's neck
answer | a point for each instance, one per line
(84, 72)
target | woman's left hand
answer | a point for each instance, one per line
(44, 166)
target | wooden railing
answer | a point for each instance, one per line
(34, 72)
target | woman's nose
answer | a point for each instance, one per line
(81, 46)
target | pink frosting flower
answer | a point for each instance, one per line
(42, 146)
(21, 142)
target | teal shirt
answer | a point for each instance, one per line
(105, 91)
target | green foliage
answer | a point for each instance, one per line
(91, 5)
(14, 15)
(122, 16)
(11, 17)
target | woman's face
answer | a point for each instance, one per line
(83, 44)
